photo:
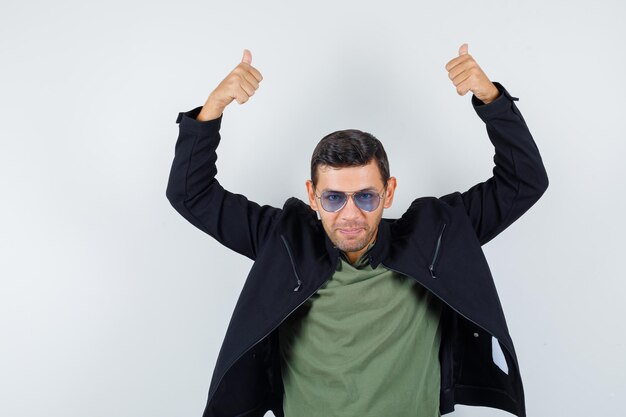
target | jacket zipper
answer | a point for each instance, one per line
(429, 289)
(293, 264)
(445, 302)
(431, 268)
(282, 320)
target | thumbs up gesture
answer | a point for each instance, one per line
(466, 75)
(240, 84)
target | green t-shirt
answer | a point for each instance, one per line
(366, 344)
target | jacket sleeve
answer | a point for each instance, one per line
(192, 189)
(519, 177)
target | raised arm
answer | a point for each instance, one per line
(519, 176)
(192, 189)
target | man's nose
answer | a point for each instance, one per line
(350, 210)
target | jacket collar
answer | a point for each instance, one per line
(381, 247)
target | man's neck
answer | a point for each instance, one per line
(354, 256)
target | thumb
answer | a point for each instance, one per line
(247, 57)
(463, 49)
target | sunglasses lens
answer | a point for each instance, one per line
(367, 201)
(333, 201)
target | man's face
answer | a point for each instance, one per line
(351, 229)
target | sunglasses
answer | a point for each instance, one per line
(366, 200)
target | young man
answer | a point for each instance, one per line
(353, 314)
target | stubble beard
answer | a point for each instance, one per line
(352, 244)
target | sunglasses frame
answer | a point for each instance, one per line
(351, 195)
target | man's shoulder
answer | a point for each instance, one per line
(293, 206)
(427, 212)
(294, 203)
(297, 212)
(444, 204)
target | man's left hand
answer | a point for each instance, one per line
(468, 76)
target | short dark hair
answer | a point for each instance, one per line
(348, 148)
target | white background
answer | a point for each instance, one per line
(111, 304)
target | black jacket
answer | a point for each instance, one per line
(437, 241)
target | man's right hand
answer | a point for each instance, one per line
(239, 85)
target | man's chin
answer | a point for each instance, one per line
(351, 245)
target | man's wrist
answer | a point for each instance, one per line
(492, 96)
(211, 110)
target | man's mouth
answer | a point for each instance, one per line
(350, 232)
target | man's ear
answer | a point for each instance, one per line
(391, 188)
(311, 194)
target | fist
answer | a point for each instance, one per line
(239, 85)
(466, 75)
